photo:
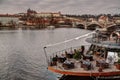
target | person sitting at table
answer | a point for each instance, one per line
(61, 59)
(82, 50)
(66, 54)
(53, 61)
(63, 55)
(90, 57)
(69, 55)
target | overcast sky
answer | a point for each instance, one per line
(65, 6)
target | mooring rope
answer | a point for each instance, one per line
(79, 37)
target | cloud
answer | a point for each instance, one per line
(1, 1)
(65, 6)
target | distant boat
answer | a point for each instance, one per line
(21, 22)
(7, 26)
(50, 27)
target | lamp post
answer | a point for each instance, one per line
(46, 55)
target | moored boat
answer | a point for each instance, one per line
(50, 27)
(96, 61)
(10, 25)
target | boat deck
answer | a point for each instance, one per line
(80, 71)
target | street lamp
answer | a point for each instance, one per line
(46, 55)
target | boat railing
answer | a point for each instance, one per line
(71, 49)
(68, 50)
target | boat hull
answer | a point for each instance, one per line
(96, 74)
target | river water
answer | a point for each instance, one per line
(22, 55)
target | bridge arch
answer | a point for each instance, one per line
(115, 35)
(113, 27)
(93, 26)
(81, 26)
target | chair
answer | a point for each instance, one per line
(68, 55)
(86, 65)
(68, 65)
(102, 64)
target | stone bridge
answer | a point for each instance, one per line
(92, 25)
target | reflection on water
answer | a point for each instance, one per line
(22, 56)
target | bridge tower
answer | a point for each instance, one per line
(73, 23)
(85, 25)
